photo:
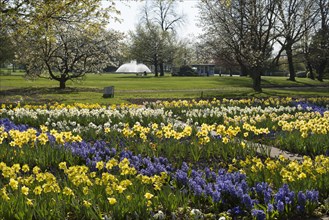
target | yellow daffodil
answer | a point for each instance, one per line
(112, 200)
(86, 203)
(25, 168)
(67, 191)
(13, 184)
(100, 165)
(25, 190)
(29, 202)
(148, 195)
(37, 190)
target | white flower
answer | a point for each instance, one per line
(196, 214)
(73, 123)
(159, 215)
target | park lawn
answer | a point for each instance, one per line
(128, 82)
(15, 88)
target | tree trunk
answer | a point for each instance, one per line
(310, 68)
(62, 84)
(244, 71)
(256, 77)
(290, 63)
(62, 81)
(308, 64)
(161, 69)
(320, 70)
(156, 72)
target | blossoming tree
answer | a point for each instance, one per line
(63, 40)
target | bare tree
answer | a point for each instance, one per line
(245, 29)
(162, 14)
(295, 18)
(320, 42)
(305, 48)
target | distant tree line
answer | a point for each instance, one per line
(244, 33)
(63, 40)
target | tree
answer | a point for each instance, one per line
(212, 49)
(148, 45)
(205, 51)
(315, 41)
(162, 14)
(320, 42)
(295, 18)
(244, 29)
(185, 52)
(69, 54)
(159, 21)
(123, 51)
(319, 51)
(305, 50)
(9, 11)
(60, 36)
(6, 48)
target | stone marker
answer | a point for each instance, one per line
(108, 92)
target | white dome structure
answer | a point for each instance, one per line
(133, 67)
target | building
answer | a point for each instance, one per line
(204, 69)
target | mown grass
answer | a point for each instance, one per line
(15, 88)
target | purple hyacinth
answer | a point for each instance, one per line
(9, 125)
(263, 192)
(247, 201)
(236, 211)
(311, 107)
(270, 207)
(258, 214)
(301, 199)
(285, 195)
(312, 195)
(280, 206)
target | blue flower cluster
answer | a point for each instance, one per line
(263, 192)
(220, 187)
(91, 152)
(146, 165)
(311, 196)
(231, 188)
(9, 125)
(258, 214)
(284, 199)
(309, 106)
(101, 151)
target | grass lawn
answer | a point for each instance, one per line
(15, 88)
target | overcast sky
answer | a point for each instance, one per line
(130, 14)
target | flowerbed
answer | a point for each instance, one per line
(164, 160)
